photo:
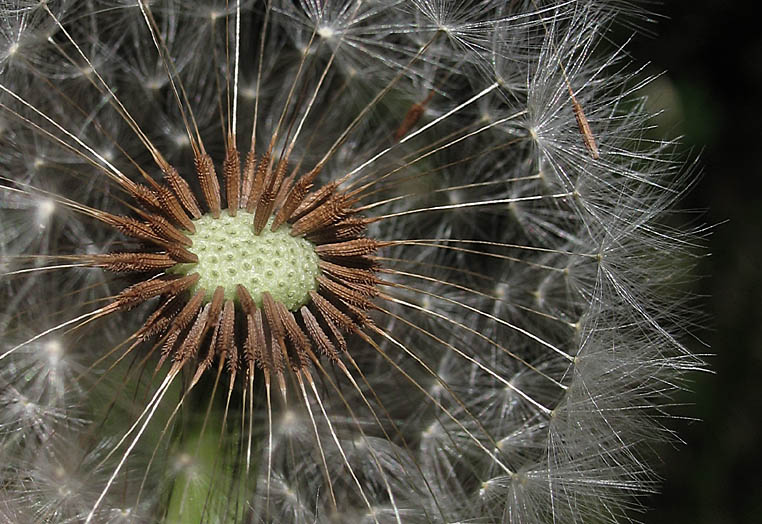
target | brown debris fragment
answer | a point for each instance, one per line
(412, 116)
(584, 126)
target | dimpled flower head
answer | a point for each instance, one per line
(331, 261)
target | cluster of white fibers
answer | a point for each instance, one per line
(523, 337)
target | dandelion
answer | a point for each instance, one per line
(350, 261)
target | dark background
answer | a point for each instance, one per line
(712, 53)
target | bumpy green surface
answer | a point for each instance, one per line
(229, 253)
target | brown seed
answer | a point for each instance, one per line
(267, 200)
(210, 186)
(226, 340)
(271, 316)
(189, 347)
(210, 352)
(331, 313)
(318, 335)
(147, 289)
(264, 208)
(247, 303)
(249, 343)
(285, 189)
(232, 360)
(231, 169)
(277, 332)
(218, 299)
(181, 321)
(331, 211)
(357, 295)
(279, 355)
(172, 208)
(351, 248)
(262, 353)
(159, 320)
(183, 191)
(314, 199)
(294, 199)
(190, 310)
(258, 183)
(350, 274)
(131, 227)
(181, 254)
(349, 228)
(163, 228)
(295, 335)
(144, 194)
(249, 168)
(121, 262)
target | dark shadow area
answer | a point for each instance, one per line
(712, 52)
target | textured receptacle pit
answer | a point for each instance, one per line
(230, 253)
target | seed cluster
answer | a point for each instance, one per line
(277, 279)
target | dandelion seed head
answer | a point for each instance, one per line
(426, 297)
